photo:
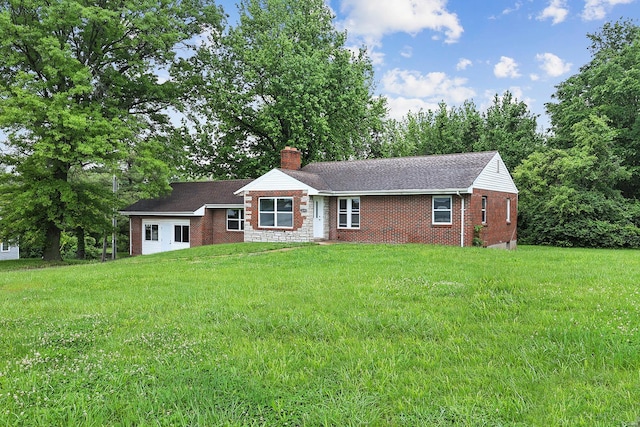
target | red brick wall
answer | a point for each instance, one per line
(219, 233)
(496, 230)
(397, 219)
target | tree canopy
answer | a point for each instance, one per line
(281, 77)
(507, 126)
(568, 197)
(608, 86)
(79, 91)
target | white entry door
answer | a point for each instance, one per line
(318, 217)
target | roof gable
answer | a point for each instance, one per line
(277, 180)
(496, 177)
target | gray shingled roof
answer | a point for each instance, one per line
(191, 196)
(438, 172)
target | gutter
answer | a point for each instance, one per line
(156, 213)
(408, 192)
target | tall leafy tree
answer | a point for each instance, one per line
(510, 128)
(507, 126)
(568, 197)
(79, 90)
(282, 76)
(609, 86)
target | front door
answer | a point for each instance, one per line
(318, 217)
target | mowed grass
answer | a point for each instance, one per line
(325, 335)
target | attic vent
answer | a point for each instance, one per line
(497, 166)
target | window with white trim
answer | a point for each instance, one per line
(441, 210)
(349, 212)
(181, 233)
(484, 209)
(5, 247)
(275, 212)
(235, 219)
(151, 232)
(508, 211)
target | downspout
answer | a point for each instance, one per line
(461, 219)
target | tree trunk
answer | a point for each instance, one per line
(104, 248)
(52, 245)
(81, 252)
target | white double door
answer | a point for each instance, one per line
(159, 236)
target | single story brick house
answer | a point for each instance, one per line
(439, 199)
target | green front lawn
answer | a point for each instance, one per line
(248, 334)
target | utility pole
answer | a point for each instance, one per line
(114, 221)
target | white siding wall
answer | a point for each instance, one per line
(12, 253)
(496, 177)
(166, 235)
(274, 180)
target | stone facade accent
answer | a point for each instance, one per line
(302, 230)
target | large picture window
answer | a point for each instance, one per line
(181, 233)
(441, 210)
(276, 212)
(349, 213)
(151, 232)
(235, 219)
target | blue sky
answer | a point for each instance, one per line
(427, 51)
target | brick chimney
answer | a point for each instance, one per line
(290, 158)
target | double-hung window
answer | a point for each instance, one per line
(151, 232)
(235, 219)
(181, 233)
(441, 210)
(4, 247)
(275, 212)
(349, 212)
(484, 209)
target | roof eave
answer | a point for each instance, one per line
(156, 213)
(408, 192)
(224, 205)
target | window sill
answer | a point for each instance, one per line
(275, 228)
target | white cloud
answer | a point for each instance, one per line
(400, 106)
(435, 86)
(406, 52)
(518, 95)
(534, 77)
(552, 65)
(557, 11)
(597, 9)
(371, 20)
(515, 8)
(507, 67)
(463, 63)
